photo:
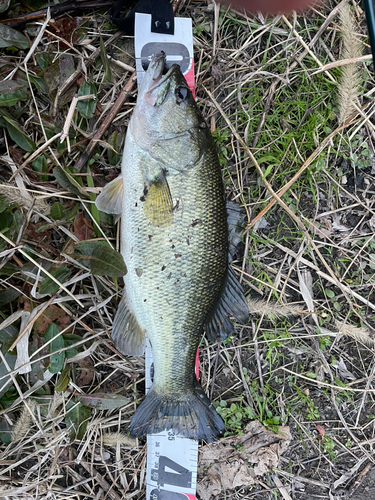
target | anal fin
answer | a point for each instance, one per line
(127, 335)
(232, 301)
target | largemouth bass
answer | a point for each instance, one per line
(174, 240)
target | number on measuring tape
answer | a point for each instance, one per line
(171, 467)
(179, 477)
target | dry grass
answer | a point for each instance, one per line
(350, 77)
(269, 90)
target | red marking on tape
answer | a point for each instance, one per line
(190, 78)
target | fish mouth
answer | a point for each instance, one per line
(157, 67)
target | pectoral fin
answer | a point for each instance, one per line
(110, 198)
(127, 335)
(158, 204)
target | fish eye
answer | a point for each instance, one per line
(181, 94)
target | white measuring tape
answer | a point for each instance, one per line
(171, 459)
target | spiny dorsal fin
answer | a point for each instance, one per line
(127, 335)
(111, 196)
(232, 301)
(236, 220)
(158, 205)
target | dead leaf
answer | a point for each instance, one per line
(321, 432)
(23, 357)
(86, 372)
(323, 232)
(342, 370)
(68, 28)
(337, 225)
(42, 238)
(237, 460)
(83, 229)
(50, 315)
(16, 155)
(306, 289)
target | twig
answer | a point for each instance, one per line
(343, 62)
(267, 106)
(135, 473)
(331, 279)
(281, 488)
(69, 117)
(360, 478)
(217, 355)
(347, 387)
(18, 22)
(306, 47)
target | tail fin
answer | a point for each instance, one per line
(191, 415)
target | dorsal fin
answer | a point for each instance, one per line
(232, 301)
(236, 220)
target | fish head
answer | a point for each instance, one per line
(166, 121)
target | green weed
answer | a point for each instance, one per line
(235, 416)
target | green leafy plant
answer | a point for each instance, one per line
(305, 404)
(329, 445)
(235, 416)
(221, 138)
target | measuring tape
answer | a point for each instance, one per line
(171, 458)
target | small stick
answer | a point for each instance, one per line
(342, 62)
(37, 152)
(122, 65)
(306, 47)
(217, 355)
(18, 22)
(281, 488)
(135, 473)
(359, 479)
(267, 107)
(69, 117)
